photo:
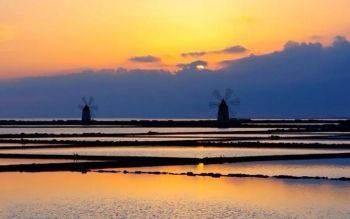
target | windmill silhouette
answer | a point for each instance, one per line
(223, 104)
(87, 109)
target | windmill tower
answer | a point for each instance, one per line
(86, 114)
(87, 109)
(223, 104)
(223, 112)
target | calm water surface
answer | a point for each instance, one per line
(198, 152)
(106, 195)
(10, 161)
(333, 168)
(309, 141)
(171, 137)
(96, 129)
(94, 195)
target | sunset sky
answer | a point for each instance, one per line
(43, 37)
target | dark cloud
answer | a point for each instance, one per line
(196, 65)
(291, 44)
(340, 41)
(302, 80)
(193, 54)
(145, 59)
(236, 49)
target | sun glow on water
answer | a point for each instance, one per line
(200, 167)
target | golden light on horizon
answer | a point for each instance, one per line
(200, 67)
(40, 37)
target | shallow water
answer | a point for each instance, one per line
(158, 151)
(106, 195)
(94, 195)
(309, 141)
(333, 168)
(96, 129)
(10, 161)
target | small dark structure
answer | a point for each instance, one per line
(223, 112)
(222, 104)
(86, 114)
(87, 110)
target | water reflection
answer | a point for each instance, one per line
(10, 161)
(333, 168)
(102, 129)
(309, 141)
(94, 195)
(198, 152)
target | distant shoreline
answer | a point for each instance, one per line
(103, 162)
(42, 144)
(283, 123)
(273, 131)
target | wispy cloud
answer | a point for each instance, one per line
(193, 54)
(235, 49)
(145, 59)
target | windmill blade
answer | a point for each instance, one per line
(93, 115)
(213, 104)
(94, 107)
(217, 94)
(234, 102)
(228, 93)
(91, 100)
(84, 100)
(80, 106)
(233, 113)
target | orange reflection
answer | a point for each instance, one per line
(200, 167)
(266, 193)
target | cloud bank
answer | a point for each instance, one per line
(302, 80)
(233, 50)
(236, 49)
(145, 59)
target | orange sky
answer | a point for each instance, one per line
(42, 37)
